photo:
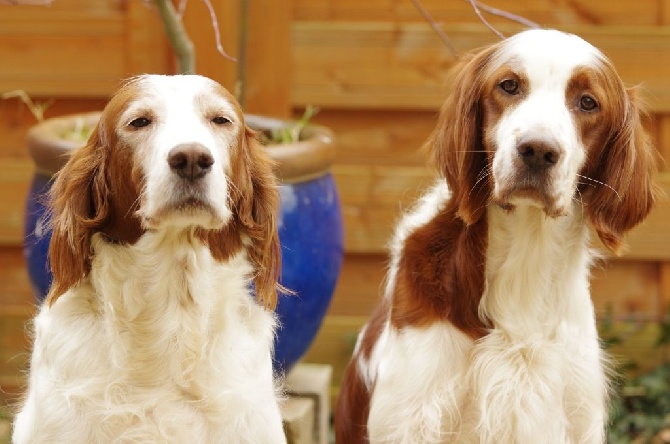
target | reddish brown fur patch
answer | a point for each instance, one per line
(353, 403)
(620, 156)
(456, 145)
(255, 202)
(441, 274)
(95, 191)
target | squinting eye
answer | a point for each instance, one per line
(509, 86)
(140, 122)
(220, 120)
(587, 103)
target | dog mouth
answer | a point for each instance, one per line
(530, 195)
(187, 210)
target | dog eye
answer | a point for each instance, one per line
(220, 120)
(510, 86)
(587, 103)
(140, 122)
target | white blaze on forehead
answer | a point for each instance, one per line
(179, 96)
(544, 54)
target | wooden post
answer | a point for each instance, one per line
(268, 64)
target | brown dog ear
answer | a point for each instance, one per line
(78, 206)
(625, 171)
(257, 207)
(456, 144)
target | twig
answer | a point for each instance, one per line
(177, 35)
(182, 8)
(28, 2)
(436, 27)
(242, 50)
(37, 109)
(508, 15)
(484, 21)
(217, 33)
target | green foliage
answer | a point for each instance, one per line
(291, 133)
(37, 109)
(641, 406)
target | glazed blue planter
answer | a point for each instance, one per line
(310, 227)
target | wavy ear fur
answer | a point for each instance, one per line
(627, 164)
(257, 205)
(456, 144)
(79, 205)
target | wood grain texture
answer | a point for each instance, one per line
(547, 12)
(396, 65)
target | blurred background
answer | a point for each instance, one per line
(376, 71)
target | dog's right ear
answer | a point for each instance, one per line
(79, 204)
(456, 144)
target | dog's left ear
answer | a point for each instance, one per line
(79, 206)
(627, 165)
(257, 206)
(456, 144)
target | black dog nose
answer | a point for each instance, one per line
(539, 154)
(190, 161)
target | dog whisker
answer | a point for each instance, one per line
(601, 183)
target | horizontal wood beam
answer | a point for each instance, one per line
(386, 65)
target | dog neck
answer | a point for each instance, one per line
(528, 259)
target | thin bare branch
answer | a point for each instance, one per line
(182, 8)
(217, 33)
(28, 2)
(473, 3)
(508, 15)
(436, 27)
(37, 109)
(177, 36)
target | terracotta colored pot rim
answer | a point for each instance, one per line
(296, 162)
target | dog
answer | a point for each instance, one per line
(486, 331)
(164, 228)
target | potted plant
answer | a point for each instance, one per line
(310, 225)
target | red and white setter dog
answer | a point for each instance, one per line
(486, 332)
(162, 224)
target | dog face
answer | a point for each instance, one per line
(543, 119)
(169, 153)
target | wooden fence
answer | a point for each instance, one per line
(375, 69)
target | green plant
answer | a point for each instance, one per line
(291, 133)
(37, 109)
(640, 409)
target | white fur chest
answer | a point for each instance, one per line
(539, 370)
(154, 348)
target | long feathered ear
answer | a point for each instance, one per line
(257, 207)
(77, 208)
(456, 144)
(627, 165)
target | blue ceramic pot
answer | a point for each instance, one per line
(310, 226)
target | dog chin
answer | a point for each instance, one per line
(528, 197)
(190, 213)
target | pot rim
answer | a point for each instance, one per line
(296, 161)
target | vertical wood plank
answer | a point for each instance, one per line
(663, 139)
(147, 50)
(199, 25)
(664, 12)
(269, 58)
(267, 67)
(664, 288)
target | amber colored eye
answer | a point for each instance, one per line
(510, 86)
(220, 120)
(587, 103)
(140, 122)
